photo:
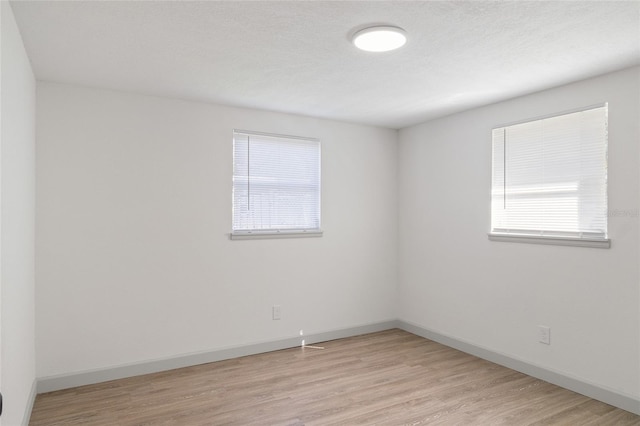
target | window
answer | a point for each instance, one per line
(549, 181)
(276, 186)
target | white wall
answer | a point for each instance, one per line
(456, 282)
(17, 197)
(134, 262)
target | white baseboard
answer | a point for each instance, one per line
(626, 402)
(30, 401)
(65, 381)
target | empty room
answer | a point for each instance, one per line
(319, 213)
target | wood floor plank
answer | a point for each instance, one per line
(387, 378)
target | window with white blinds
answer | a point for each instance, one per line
(550, 179)
(276, 185)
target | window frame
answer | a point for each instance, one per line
(558, 239)
(273, 233)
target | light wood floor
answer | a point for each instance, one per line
(386, 378)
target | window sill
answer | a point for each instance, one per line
(267, 235)
(558, 241)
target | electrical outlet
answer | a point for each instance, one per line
(544, 334)
(276, 312)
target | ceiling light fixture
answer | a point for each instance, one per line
(379, 38)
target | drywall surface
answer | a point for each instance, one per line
(17, 200)
(454, 281)
(134, 260)
(283, 55)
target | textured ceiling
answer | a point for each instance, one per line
(296, 56)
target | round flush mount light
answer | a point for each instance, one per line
(379, 38)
